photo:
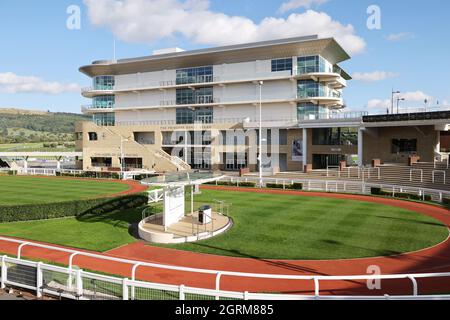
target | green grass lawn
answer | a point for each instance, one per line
(292, 227)
(88, 232)
(266, 226)
(33, 190)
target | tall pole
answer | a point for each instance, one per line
(121, 158)
(260, 135)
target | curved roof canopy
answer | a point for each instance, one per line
(329, 48)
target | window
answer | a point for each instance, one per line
(282, 64)
(404, 146)
(104, 102)
(190, 116)
(101, 162)
(93, 136)
(311, 64)
(335, 137)
(307, 111)
(195, 96)
(104, 83)
(311, 89)
(195, 75)
(79, 136)
(104, 119)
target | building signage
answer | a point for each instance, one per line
(297, 150)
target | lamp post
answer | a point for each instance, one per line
(398, 101)
(122, 157)
(260, 135)
(392, 99)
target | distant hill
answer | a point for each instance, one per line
(28, 126)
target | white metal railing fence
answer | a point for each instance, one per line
(343, 186)
(78, 284)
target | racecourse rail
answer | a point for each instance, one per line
(128, 288)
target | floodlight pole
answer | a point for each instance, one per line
(260, 135)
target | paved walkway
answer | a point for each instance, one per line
(436, 259)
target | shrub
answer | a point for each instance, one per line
(296, 186)
(227, 183)
(375, 191)
(74, 208)
(274, 186)
(247, 184)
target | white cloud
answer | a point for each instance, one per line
(12, 83)
(295, 4)
(374, 76)
(394, 37)
(416, 96)
(146, 21)
(412, 98)
(379, 104)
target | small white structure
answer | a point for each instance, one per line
(174, 192)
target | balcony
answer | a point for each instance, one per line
(92, 108)
(351, 115)
(321, 95)
(91, 92)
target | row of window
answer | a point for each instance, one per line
(104, 102)
(195, 75)
(193, 115)
(306, 64)
(311, 89)
(335, 137)
(195, 96)
(104, 119)
(104, 83)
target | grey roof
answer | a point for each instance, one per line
(309, 45)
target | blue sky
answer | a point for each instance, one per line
(40, 57)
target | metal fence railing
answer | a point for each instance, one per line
(344, 186)
(75, 283)
(46, 279)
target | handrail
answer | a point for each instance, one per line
(219, 274)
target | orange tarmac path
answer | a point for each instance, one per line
(432, 260)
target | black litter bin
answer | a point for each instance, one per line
(201, 214)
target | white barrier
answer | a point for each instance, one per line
(216, 293)
(78, 284)
(343, 186)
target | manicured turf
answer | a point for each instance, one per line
(16, 190)
(89, 232)
(293, 227)
(266, 226)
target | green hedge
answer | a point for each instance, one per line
(100, 175)
(75, 208)
(400, 195)
(294, 186)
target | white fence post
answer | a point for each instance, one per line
(218, 277)
(316, 287)
(125, 289)
(415, 286)
(39, 280)
(182, 296)
(4, 273)
(79, 283)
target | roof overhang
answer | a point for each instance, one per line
(329, 48)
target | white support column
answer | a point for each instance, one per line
(305, 147)
(360, 147)
(4, 273)
(25, 164)
(438, 142)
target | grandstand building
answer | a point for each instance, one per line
(180, 110)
